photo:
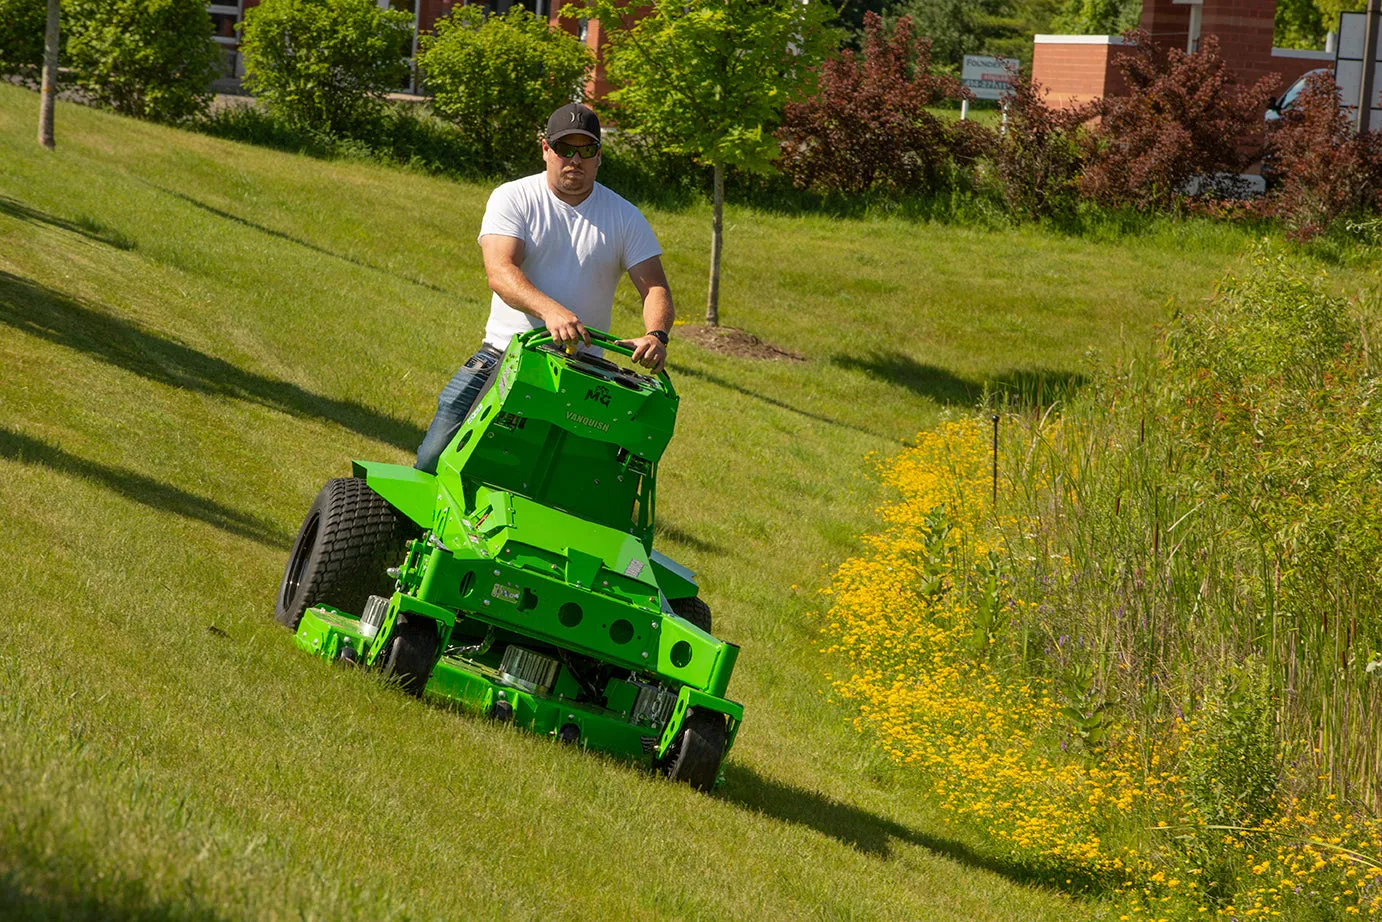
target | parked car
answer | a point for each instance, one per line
(1277, 107)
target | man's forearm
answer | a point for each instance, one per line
(657, 309)
(514, 289)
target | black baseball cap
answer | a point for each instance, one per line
(572, 118)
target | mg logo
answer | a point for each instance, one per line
(599, 394)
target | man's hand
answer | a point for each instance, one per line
(566, 329)
(648, 351)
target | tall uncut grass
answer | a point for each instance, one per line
(1152, 665)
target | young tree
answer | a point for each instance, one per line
(708, 79)
(49, 90)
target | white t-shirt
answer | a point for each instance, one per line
(574, 254)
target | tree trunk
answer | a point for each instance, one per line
(712, 298)
(49, 90)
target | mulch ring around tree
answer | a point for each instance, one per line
(738, 343)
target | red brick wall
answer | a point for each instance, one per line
(429, 11)
(1076, 73)
(1168, 23)
(1291, 69)
(1244, 30)
(1072, 73)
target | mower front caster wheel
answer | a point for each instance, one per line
(696, 756)
(412, 654)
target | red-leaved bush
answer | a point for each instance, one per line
(1184, 117)
(1324, 171)
(867, 127)
(1037, 159)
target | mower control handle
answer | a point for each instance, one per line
(543, 337)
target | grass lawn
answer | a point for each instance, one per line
(194, 335)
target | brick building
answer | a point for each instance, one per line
(1077, 68)
(225, 15)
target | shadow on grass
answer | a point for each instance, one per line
(874, 835)
(774, 402)
(681, 536)
(51, 315)
(131, 903)
(91, 230)
(1019, 389)
(296, 241)
(15, 446)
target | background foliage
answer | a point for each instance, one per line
(325, 64)
(867, 126)
(1037, 161)
(147, 58)
(1324, 170)
(498, 78)
(1184, 117)
(21, 34)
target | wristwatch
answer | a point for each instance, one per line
(659, 335)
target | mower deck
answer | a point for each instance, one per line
(641, 724)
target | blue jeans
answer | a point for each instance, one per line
(454, 403)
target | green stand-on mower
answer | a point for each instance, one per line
(520, 580)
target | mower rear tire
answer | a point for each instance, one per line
(412, 654)
(699, 750)
(694, 610)
(349, 539)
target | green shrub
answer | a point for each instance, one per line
(1232, 766)
(324, 64)
(21, 35)
(1274, 323)
(148, 58)
(499, 77)
(1037, 160)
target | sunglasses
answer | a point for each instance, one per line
(567, 151)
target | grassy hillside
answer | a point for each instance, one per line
(194, 335)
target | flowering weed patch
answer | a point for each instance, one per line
(1145, 669)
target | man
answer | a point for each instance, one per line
(555, 245)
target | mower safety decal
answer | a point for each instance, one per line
(506, 593)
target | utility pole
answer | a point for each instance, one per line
(49, 90)
(1369, 66)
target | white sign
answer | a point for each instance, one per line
(1348, 68)
(989, 78)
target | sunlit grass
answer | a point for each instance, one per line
(194, 335)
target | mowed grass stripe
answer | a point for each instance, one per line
(196, 334)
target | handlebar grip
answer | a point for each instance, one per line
(597, 338)
(542, 336)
